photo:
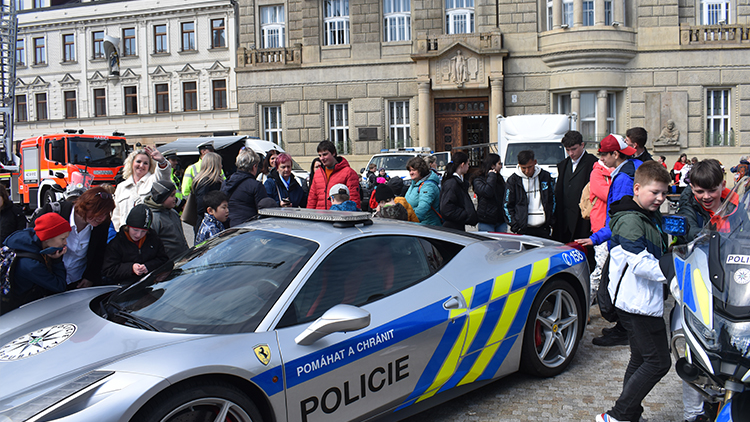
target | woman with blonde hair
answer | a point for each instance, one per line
(208, 179)
(141, 168)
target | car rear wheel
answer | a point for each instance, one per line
(552, 330)
(199, 402)
(48, 197)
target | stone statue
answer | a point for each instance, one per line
(459, 72)
(114, 63)
(669, 135)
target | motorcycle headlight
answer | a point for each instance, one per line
(733, 337)
(705, 335)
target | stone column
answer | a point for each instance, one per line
(601, 112)
(575, 106)
(577, 12)
(598, 12)
(496, 105)
(425, 116)
(618, 12)
(556, 13)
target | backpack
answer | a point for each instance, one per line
(8, 259)
(56, 207)
(605, 301)
(586, 203)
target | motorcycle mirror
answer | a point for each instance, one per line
(675, 225)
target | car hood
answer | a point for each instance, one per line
(67, 340)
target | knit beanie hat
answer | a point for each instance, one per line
(50, 225)
(160, 191)
(140, 217)
(384, 193)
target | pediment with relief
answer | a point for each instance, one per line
(97, 79)
(217, 69)
(458, 67)
(38, 84)
(68, 81)
(128, 76)
(159, 74)
(188, 71)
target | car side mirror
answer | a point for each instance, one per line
(340, 318)
(362, 170)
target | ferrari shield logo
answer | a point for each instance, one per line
(263, 353)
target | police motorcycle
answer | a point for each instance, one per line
(710, 323)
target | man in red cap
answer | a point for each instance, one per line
(39, 270)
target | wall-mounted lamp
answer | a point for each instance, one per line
(564, 26)
(615, 24)
(722, 22)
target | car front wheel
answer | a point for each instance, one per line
(552, 330)
(199, 402)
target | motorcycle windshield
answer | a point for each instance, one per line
(728, 236)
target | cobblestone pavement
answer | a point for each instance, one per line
(590, 386)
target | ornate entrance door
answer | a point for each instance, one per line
(461, 122)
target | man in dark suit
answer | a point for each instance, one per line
(573, 174)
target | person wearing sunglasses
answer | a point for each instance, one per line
(89, 218)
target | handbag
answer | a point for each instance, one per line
(190, 212)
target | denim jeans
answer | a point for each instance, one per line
(499, 228)
(649, 362)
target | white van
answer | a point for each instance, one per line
(540, 133)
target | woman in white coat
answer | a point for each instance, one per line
(141, 169)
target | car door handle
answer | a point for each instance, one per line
(452, 303)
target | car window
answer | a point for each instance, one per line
(225, 286)
(441, 159)
(392, 161)
(546, 153)
(362, 271)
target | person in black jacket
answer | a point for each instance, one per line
(456, 206)
(136, 250)
(529, 198)
(490, 190)
(573, 174)
(282, 186)
(90, 216)
(11, 215)
(243, 190)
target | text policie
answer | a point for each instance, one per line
(331, 399)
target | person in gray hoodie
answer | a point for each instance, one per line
(529, 198)
(167, 223)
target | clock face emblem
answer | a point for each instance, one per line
(36, 342)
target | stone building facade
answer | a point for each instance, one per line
(373, 74)
(176, 61)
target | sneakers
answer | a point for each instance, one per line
(612, 337)
(605, 418)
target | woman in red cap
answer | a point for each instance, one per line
(39, 270)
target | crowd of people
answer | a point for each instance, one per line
(115, 236)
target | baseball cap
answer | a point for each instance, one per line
(338, 188)
(613, 142)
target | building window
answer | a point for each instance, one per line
(71, 111)
(550, 9)
(41, 107)
(220, 94)
(22, 114)
(20, 53)
(100, 102)
(608, 12)
(40, 54)
(190, 96)
(19, 5)
(38, 4)
(128, 42)
(271, 26)
(98, 41)
(718, 124)
(160, 38)
(272, 124)
(459, 16)
(588, 13)
(398, 124)
(714, 12)
(611, 113)
(567, 16)
(162, 98)
(397, 20)
(336, 22)
(218, 33)
(69, 48)
(588, 117)
(188, 36)
(338, 126)
(131, 100)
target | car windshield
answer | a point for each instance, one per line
(545, 153)
(103, 152)
(391, 161)
(224, 286)
(441, 159)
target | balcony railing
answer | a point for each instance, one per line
(714, 35)
(269, 57)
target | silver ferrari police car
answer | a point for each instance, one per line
(299, 316)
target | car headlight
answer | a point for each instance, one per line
(55, 398)
(704, 334)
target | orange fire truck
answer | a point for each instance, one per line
(48, 163)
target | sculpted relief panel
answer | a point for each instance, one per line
(457, 69)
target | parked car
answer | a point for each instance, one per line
(300, 315)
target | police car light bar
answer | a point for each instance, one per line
(339, 218)
(409, 149)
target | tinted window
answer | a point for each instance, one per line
(225, 286)
(359, 272)
(547, 153)
(392, 161)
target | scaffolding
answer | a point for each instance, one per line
(8, 31)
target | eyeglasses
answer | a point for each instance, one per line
(104, 195)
